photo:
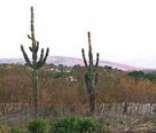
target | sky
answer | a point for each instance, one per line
(122, 31)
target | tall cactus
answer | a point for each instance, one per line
(35, 64)
(91, 75)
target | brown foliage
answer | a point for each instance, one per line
(112, 86)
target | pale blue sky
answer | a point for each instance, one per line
(122, 30)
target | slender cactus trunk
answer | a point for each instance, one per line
(92, 102)
(93, 99)
(35, 92)
(91, 94)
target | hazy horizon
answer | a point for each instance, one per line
(122, 31)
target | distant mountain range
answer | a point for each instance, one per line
(70, 61)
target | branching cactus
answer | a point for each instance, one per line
(91, 75)
(35, 64)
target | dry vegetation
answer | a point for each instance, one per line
(62, 92)
(68, 88)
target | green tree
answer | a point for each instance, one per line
(136, 74)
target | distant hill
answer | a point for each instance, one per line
(70, 61)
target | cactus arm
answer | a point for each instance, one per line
(46, 55)
(39, 63)
(84, 58)
(26, 56)
(37, 46)
(97, 60)
(30, 48)
(29, 37)
(41, 56)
